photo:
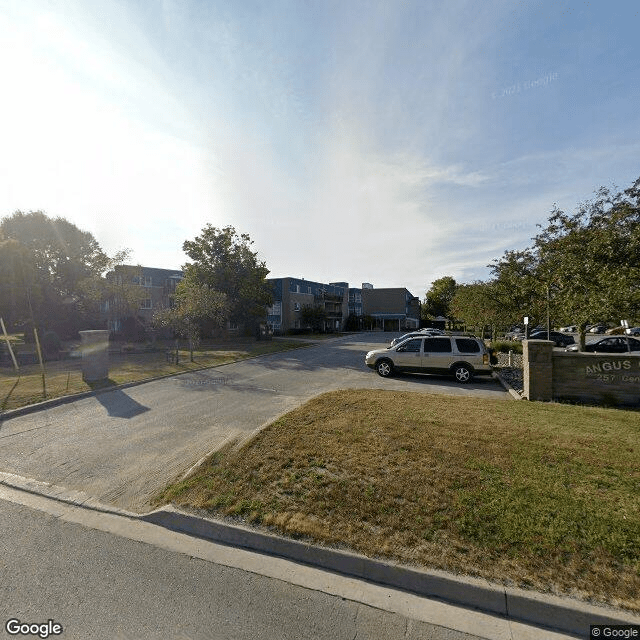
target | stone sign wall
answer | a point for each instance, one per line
(603, 378)
(609, 378)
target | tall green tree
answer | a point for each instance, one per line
(582, 267)
(195, 304)
(18, 283)
(593, 256)
(61, 257)
(314, 316)
(518, 287)
(223, 260)
(62, 253)
(438, 299)
(477, 305)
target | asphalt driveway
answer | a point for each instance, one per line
(122, 446)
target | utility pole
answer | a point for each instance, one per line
(548, 316)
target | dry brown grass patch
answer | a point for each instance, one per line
(541, 495)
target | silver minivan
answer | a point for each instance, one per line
(461, 356)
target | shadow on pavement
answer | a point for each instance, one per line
(478, 382)
(119, 405)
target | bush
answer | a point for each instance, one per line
(504, 346)
(51, 342)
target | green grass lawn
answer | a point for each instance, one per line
(545, 496)
(65, 377)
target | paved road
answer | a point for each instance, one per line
(98, 585)
(123, 446)
(105, 576)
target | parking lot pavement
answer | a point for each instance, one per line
(124, 445)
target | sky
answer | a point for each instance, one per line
(391, 142)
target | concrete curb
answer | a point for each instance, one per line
(554, 612)
(507, 386)
(561, 614)
(431, 584)
(54, 402)
(61, 494)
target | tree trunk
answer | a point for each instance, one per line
(582, 331)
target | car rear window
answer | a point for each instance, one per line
(437, 345)
(466, 345)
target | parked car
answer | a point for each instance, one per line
(616, 331)
(413, 334)
(514, 333)
(559, 339)
(460, 356)
(570, 329)
(613, 344)
(635, 331)
(597, 328)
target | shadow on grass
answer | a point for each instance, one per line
(5, 402)
(117, 403)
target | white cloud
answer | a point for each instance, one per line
(355, 147)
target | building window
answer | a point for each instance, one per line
(146, 304)
(296, 306)
(143, 281)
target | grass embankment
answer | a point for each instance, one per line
(545, 496)
(18, 389)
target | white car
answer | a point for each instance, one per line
(460, 356)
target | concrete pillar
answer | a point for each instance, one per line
(95, 355)
(537, 356)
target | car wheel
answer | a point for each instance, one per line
(462, 373)
(384, 368)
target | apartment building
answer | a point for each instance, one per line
(157, 288)
(393, 309)
(291, 295)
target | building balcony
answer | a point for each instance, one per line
(328, 297)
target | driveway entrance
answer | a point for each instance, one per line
(122, 446)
